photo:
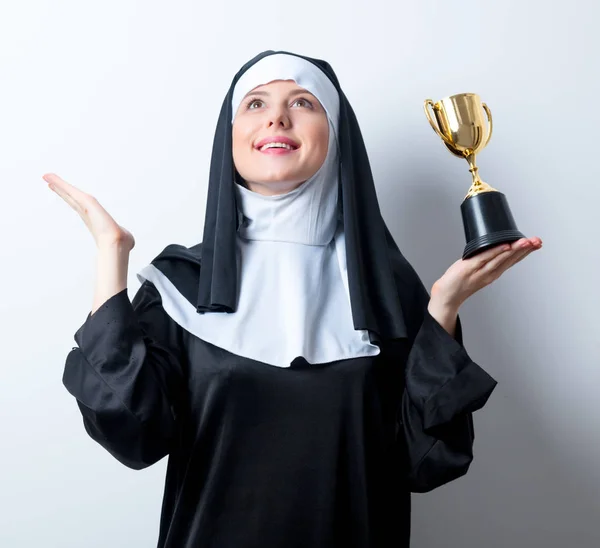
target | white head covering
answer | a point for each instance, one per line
(290, 67)
(293, 299)
(307, 214)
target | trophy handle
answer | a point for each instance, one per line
(489, 116)
(429, 102)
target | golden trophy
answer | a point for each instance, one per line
(487, 218)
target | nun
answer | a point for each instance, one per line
(292, 366)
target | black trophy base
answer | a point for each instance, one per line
(488, 222)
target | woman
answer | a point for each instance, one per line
(293, 367)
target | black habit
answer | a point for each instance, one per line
(300, 456)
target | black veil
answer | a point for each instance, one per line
(381, 281)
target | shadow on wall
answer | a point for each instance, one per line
(528, 485)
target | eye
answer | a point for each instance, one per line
(251, 102)
(305, 102)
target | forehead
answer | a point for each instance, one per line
(278, 86)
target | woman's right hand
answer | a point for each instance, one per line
(104, 229)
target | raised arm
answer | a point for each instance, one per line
(127, 371)
(443, 385)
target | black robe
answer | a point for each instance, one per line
(307, 456)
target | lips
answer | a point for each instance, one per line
(277, 139)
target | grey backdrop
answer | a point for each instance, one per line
(121, 99)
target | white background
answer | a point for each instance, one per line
(121, 99)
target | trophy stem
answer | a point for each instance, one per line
(478, 186)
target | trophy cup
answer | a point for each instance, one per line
(487, 218)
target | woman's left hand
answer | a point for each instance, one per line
(467, 276)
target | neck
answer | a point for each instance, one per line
(271, 189)
(306, 215)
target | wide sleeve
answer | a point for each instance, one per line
(126, 375)
(443, 387)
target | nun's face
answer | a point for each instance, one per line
(280, 112)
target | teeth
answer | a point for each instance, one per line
(276, 145)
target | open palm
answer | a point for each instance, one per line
(103, 227)
(467, 276)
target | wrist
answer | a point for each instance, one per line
(443, 308)
(443, 300)
(114, 247)
(444, 314)
(446, 306)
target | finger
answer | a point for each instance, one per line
(519, 244)
(535, 241)
(81, 201)
(66, 197)
(513, 258)
(67, 188)
(513, 247)
(518, 258)
(498, 260)
(81, 211)
(524, 243)
(497, 266)
(479, 260)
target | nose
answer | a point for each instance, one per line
(279, 118)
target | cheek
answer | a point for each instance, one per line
(321, 141)
(241, 143)
(238, 137)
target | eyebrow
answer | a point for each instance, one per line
(292, 93)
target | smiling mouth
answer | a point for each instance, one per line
(278, 151)
(269, 147)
